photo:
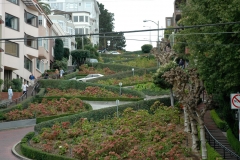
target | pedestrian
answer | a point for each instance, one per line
(61, 72)
(10, 94)
(57, 73)
(32, 79)
(24, 87)
(46, 75)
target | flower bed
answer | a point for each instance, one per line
(136, 135)
(48, 108)
(88, 92)
(84, 69)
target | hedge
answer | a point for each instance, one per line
(97, 115)
(234, 142)
(70, 75)
(71, 84)
(37, 154)
(212, 153)
(219, 122)
(24, 104)
(114, 67)
(122, 75)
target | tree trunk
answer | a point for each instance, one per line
(203, 139)
(171, 97)
(186, 121)
(195, 139)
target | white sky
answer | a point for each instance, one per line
(129, 15)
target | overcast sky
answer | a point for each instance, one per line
(129, 16)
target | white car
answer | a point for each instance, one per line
(115, 52)
(90, 76)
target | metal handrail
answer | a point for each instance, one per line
(19, 99)
(225, 149)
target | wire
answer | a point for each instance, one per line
(134, 31)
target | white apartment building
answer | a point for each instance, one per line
(85, 15)
(21, 57)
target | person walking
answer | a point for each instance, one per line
(61, 72)
(10, 94)
(32, 79)
(57, 73)
(24, 88)
(46, 75)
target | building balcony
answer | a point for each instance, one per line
(42, 53)
(31, 52)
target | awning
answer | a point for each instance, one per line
(28, 2)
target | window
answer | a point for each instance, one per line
(27, 64)
(169, 22)
(14, 1)
(81, 31)
(86, 18)
(40, 65)
(30, 41)
(11, 48)
(88, 5)
(86, 31)
(38, 61)
(76, 30)
(75, 18)
(81, 18)
(79, 4)
(11, 21)
(31, 19)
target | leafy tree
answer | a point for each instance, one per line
(93, 53)
(117, 41)
(86, 41)
(45, 7)
(17, 85)
(215, 55)
(66, 53)
(60, 64)
(168, 32)
(79, 56)
(146, 48)
(58, 49)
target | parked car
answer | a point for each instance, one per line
(90, 76)
(115, 52)
(93, 61)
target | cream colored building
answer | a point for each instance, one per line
(21, 57)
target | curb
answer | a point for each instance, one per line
(18, 155)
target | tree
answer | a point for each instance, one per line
(60, 64)
(146, 48)
(215, 52)
(79, 56)
(86, 41)
(66, 53)
(58, 49)
(45, 7)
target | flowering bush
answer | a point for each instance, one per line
(47, 108)
(135, 135)
(88, 92)
(84, 69)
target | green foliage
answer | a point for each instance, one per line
(141, 62)
(146, 48)
(150, 89)
(58, 49)
(212, 153)
(157, 78)
(6, 84)
(86, 41)
(66, 53)
(1, 82)
(60, 64)
(168, 32)
(92, 51)
(219, 122)
(79, 56)
(17, 85)
(45, 7)
(234, 142)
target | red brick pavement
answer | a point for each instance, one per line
(8, 138)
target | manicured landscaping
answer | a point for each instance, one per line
(84, 70)
(48, 108)
(135, 135)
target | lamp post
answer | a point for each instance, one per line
(120, 85)
(150, 40)
(158, 33)
(133, 71)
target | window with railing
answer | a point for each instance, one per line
(14, 1)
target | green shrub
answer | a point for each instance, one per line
(234, 142)
(146, 48)
(212, 154)
(71, 75)
(219, 122)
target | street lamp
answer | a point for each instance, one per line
(133, 71)
(158, 33)
(150, 40)
(120, 85)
